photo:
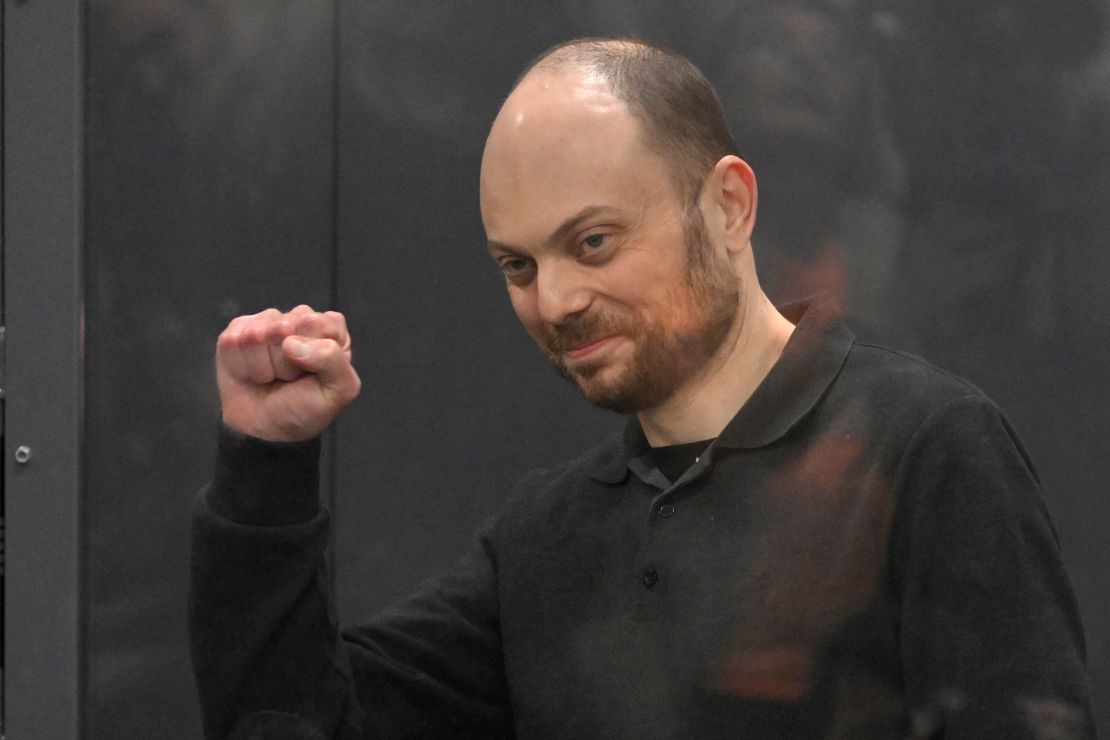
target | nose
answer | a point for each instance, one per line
(562, 291)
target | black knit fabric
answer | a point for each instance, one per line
(864, 552)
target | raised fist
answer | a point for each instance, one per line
(284, 376)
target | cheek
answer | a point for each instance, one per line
(677, 309)
(664, 289)
(524, 304)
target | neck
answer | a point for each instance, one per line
(703, 406)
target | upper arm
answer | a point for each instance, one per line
(989, 622)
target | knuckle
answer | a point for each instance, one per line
(235, 324)
(226, 335)
(349, 391)
(307, 323)
(231, 337)
(279, 329)
(254, 334)
(338, 324)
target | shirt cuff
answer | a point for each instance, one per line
(265, 484)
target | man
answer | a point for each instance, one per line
(796, 536)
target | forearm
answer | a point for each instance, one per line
(262, 625)
(265, 642)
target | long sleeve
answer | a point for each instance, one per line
(267, 653)
(990, 633)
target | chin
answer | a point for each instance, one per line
(608, 385)
(611, 400)
(621, 394)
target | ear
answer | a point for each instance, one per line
(731, 192)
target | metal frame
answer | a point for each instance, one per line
(42, 290)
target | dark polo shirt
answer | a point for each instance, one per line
(863, 552)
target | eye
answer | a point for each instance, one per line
(596, 248)
(594, 242)
(516, 269)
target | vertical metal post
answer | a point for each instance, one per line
(42, 291)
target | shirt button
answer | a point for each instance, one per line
(650, 577)
(666, 511)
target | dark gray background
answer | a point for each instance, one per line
(943, 166)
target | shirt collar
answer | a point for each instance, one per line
(811, 360)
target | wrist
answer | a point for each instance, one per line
(262, 482)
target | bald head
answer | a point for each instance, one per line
(616, 209)
(561, 142)
(678, 112)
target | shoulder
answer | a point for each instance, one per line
(904, 379)
(953, 455)
(573, 474)
(901, 394)
(546, 495)
(901, 407)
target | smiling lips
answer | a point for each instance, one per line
(585, 350)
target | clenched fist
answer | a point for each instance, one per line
(284, 376)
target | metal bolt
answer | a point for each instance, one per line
(23, 454)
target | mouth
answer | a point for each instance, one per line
(591, 347)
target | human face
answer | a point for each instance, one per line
(665, 358)
(611, 274)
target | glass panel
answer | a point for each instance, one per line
(209, 194)
(943, 169)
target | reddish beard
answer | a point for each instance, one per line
(664, 357)
(581, 331)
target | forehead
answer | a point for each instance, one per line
(563, 141)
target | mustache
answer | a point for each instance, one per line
(582, 330)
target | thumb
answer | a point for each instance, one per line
(324, 358)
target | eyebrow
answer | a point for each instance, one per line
(559, 234)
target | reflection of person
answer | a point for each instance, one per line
(995, 86)
(797, 535)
